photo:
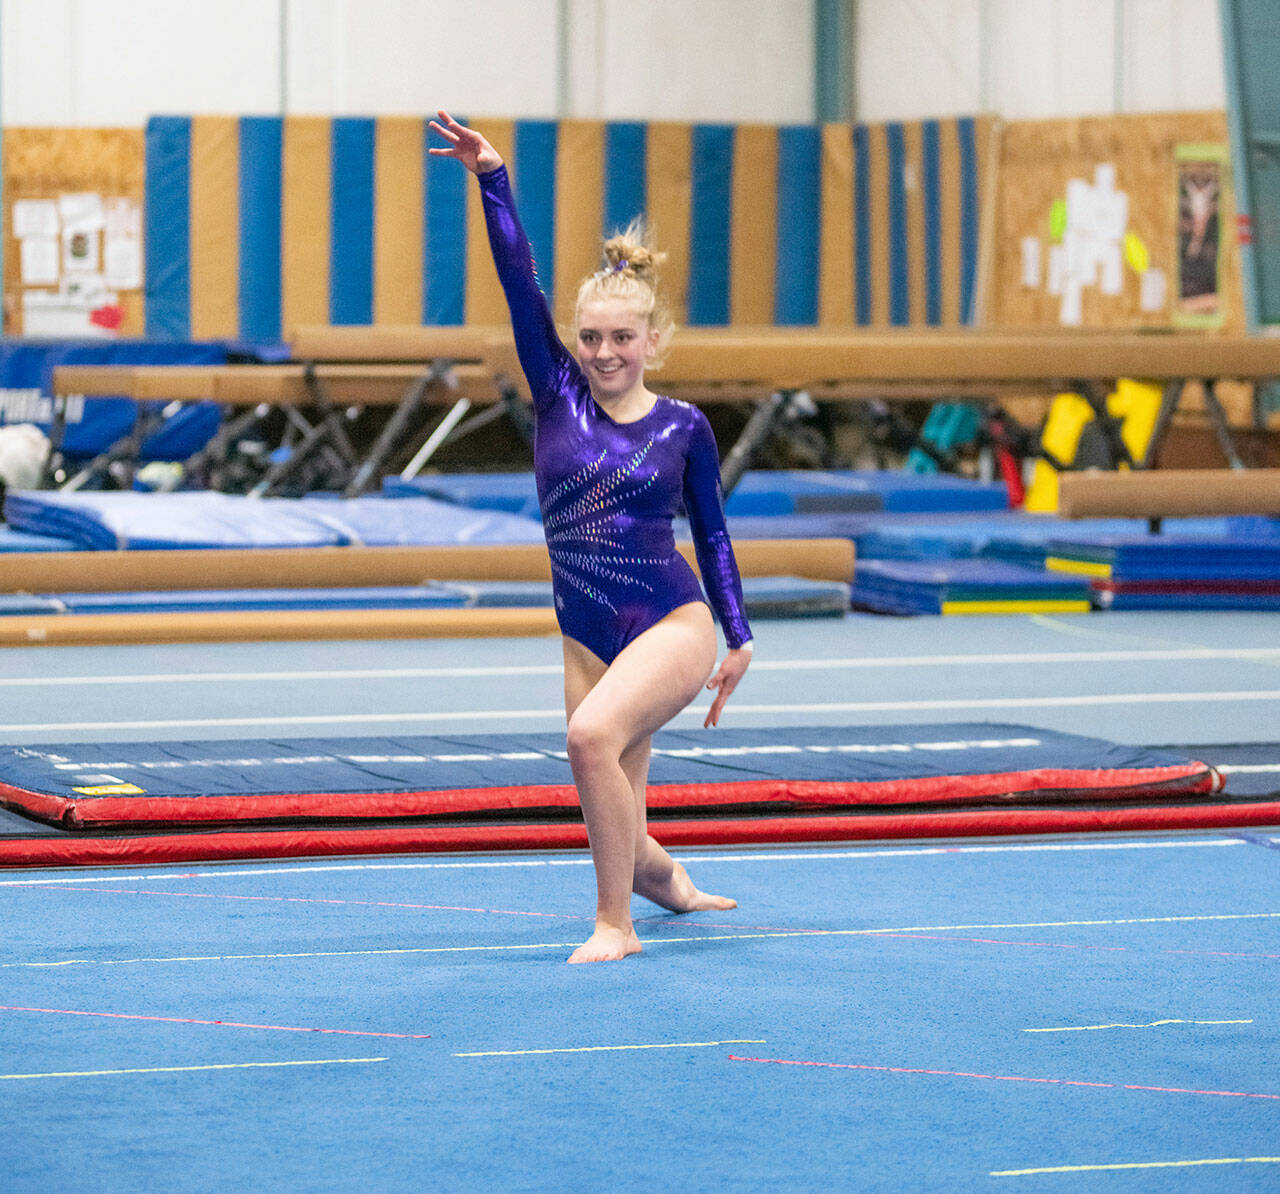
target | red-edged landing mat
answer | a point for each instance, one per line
(526, 778)
(210, 846)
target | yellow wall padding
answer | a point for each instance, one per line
(304, 232)
(1170, 493)
(398, 221)
(753, 219)
(215, 227)
(580, 157)
(878, 170)
(319, 567)
(913, 176)
(835, 281)
(669, 194)
(485, 303)
(949, 188)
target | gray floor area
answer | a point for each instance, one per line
(1141, 678)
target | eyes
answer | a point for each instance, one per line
(593, 339)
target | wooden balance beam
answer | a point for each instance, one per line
(1169, 493)
(327, 567)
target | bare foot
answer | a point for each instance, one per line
(676, 892)
(607, 944)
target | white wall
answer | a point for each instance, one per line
(1028, 59)
(115, 62)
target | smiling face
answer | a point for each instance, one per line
(615, 343)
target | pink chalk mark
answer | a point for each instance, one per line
(889, 1069)
(60, 1011)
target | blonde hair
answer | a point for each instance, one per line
(630, 273)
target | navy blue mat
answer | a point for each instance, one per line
(1154, 557)
(800, 768)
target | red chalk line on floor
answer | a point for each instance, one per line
(890, 1069)
(61, 1011)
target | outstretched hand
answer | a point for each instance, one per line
(726, 680)
(466, 145)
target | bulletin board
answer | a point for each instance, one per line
(73, 224)
(1087, 226)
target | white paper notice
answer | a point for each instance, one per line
(1153, 292)
(35, 217)
(1057, 269)
(81, 212)
(1112, 270)
(1030, 261)
(122, 262)
(1071, 314)
(39, 260)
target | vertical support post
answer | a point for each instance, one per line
(833, 60)
(1233, 67)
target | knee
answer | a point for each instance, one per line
(590, 742)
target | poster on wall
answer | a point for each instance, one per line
(1202, 182)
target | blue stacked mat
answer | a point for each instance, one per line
(758, 493)
(142, 521)
(20, 541)
(964, 586)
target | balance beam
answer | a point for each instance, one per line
(350, 567)
(1169, 493)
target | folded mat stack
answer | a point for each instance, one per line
(965, 586)
(1178, 571)
(773, 492)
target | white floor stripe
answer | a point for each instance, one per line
(1032, 658)
(287, 868)
(557, 714)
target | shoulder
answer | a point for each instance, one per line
(683, 414)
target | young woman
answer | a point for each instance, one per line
(613, 462)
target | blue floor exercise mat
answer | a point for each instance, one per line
(416, 522)
(510, 493)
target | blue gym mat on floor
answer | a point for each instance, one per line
(931, 586)
(140, 521)
(758, 492)
(21, 541)
(1156, 557)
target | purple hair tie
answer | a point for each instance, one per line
(620, 266)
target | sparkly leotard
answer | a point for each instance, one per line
(609, 490)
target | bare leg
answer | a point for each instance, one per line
(611, 711)
(658, 877)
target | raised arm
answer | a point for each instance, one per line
(542, 354)
(705, 507)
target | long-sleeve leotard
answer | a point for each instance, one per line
(609, 491)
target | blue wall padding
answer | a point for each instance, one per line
(710, 224)
(969, 215)
(899, 265)
(848, 754)
(862, 225)
(29, 365)
(351, 221)
(799, 224)
(626, 146)
(261, 181)
(535, 188)
(167, 216)
(919, 586)
(931, 184)
(189, 520)
(444, 257)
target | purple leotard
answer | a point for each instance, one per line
(608, 490)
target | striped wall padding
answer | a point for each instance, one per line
(258, 225)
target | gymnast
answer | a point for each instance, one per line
(613, 462)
